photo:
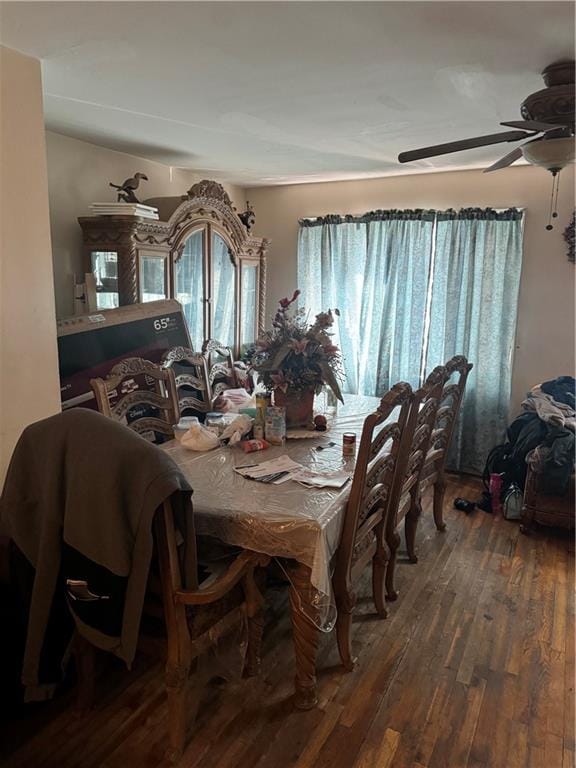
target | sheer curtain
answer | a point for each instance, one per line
(394, 301)
(474, 300)
(331, 265)
(415, 288)
(374, 269)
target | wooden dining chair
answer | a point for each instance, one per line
(405, 496)
(192, 381)
(140, 394)
(195, 620)
(222, 373)
(433, 472)
(362, 541)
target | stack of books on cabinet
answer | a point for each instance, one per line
(124, 209)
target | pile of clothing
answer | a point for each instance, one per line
(543, 435)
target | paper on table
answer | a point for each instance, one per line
(312, 479)
(270, 467)
(292, 471)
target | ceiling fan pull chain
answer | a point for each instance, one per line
(557, 180)
(552, 212)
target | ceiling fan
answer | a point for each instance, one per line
(548, 126)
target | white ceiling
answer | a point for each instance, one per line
(276, 92)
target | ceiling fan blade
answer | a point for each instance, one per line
(457, 146)
(508, 159)
(534, 125)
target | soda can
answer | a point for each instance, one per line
(348, 444)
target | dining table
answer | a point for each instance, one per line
(297, 525)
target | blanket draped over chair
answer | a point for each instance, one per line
(80, 497)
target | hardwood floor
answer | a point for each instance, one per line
(474, 667)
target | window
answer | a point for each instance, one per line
(415, 288)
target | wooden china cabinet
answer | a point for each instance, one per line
(199, 253)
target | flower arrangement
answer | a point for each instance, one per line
(296, 356)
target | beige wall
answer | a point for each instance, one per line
(545, 331)
(29, 386)
(78, 174)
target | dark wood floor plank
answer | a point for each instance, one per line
(382, 755)
(481, 751)
(434, 723)
(307, 758)
(462, 743)
(569, 718)
(517, 756)
(537, 758)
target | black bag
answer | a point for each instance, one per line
(499, 462)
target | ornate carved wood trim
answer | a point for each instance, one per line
(210, 189)
(163, 397)
(179, 354)
(262, 294)
(177, 358)
(140, 397)
(207, 211)
(128, 273)
(135, 365)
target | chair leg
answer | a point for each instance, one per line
(344, 630)
(253, 585)
(255, 632)
(393, 544)
(527, 519)
(411, 526)
(176, 690)
(84, 653)
(379, 562)
(439, 491)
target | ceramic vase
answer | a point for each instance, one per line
(299, 405)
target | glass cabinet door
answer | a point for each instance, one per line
(189, 286)
(219, 297)
(248, 304)
(223, 294)
(105, 268)
(152, 277)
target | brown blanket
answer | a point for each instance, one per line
(82, 480)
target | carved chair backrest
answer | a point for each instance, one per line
(191, 376)
(458, 369)
(422, 417)
(221, 367)
(379, 460)
(133, 390)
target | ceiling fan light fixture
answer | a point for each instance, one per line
(551, 154)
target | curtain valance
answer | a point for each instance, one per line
(416, 214)
(408, 214)
(480, 214)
